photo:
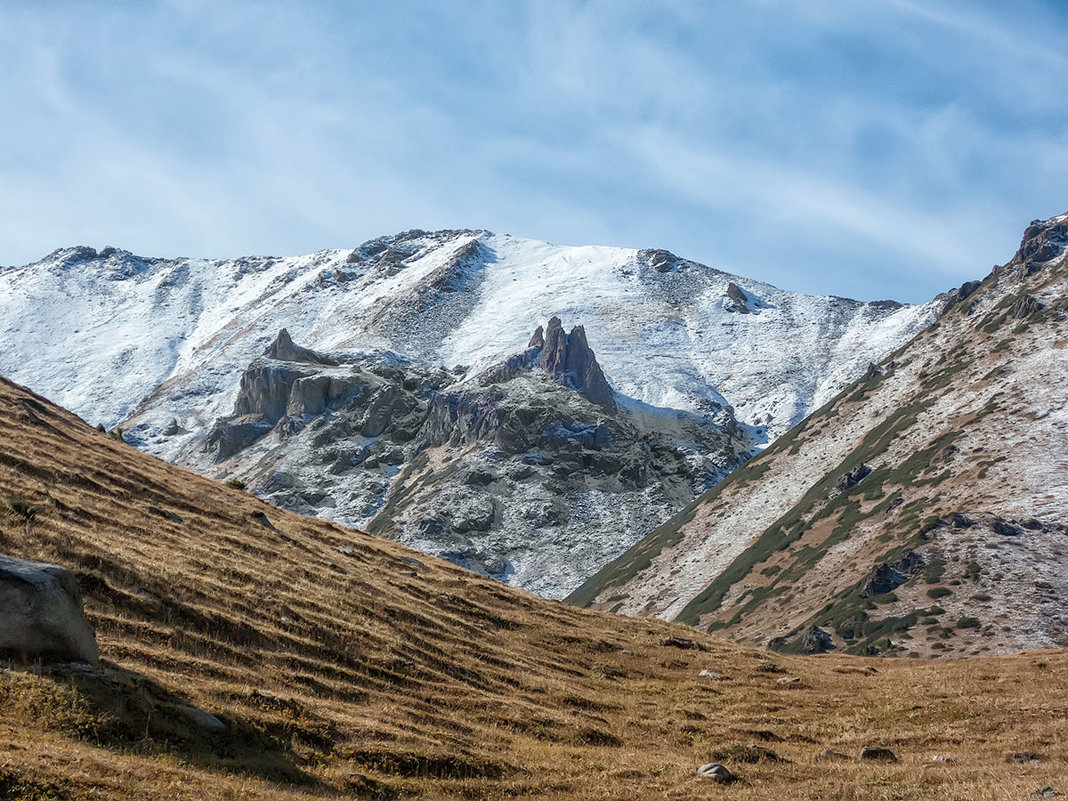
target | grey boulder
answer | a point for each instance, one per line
(42, 618)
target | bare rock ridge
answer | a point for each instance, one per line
(570, 361)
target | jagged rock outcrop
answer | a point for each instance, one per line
(42, 618)
(284, 349)
(569, 360)
(526, 470)
(739, 301)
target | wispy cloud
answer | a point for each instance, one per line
(872, 149)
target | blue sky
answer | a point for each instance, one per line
(869, 149)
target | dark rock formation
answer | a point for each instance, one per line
(42, 614)
(1006, 528)
(1026, 306)
(886, 578)
(739, 300)
(663, 261)
(284, 349)
(849, 480)
(816, 641)
(967, 289)
(569, 359)
(1043, 240)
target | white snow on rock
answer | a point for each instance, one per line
(118, 337)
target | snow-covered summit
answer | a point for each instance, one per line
(116, 336)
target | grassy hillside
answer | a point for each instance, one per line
(346, 666)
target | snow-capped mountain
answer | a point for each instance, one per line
(161, 346)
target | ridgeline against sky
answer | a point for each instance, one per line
(873, 150)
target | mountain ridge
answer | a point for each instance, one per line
(947, 449)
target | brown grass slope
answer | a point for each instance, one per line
(965, 430)
(329, 653)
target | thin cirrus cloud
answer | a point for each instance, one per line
(885, 149)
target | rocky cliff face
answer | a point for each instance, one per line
(528, 470)
(923, 511)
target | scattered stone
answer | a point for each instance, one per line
(829, 753)
(1046, 792)
(199, 717)
(882, 754)
(769, 667)
(1023, 757)
(937, 761)
(42, 616)
(717, 773)
(789, 680)
(711, 674)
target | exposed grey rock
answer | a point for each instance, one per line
(42, 616)
(880, 754)
(284, 349)
(200, 718)
(717, 773)
(882, 579)
(569, 359)
(1006, 528)
(886, 578)
(1042, 241)
(967, 289)
(739, 301)
(711, 674)
(816, 641)
(1027, 306)
(850, 480)
(229, 435)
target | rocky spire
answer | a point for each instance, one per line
(538, 340)
(286, 350)
(569, 359)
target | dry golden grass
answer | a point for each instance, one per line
(328, 653)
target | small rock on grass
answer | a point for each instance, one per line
(1022, 757)
(830, 753)
(717, 773)
(790, 680)
(872, 752)
(711, 674)
(1046, 792)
